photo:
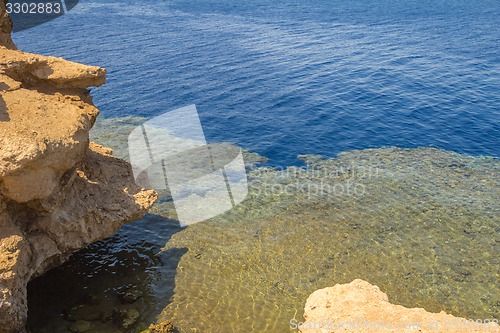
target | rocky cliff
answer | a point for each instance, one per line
(58, 191)
(361, 307)
(5, 27)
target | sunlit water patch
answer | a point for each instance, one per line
(422, 224)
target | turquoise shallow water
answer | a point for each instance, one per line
(284, 79)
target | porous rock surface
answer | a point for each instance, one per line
(361, 307)
(5, 27)
(58, 191)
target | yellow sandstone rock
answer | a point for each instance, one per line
(361, 307)
(58, 191)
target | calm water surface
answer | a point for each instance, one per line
(283, 79)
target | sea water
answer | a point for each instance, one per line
(332, 78)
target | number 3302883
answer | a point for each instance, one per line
(33, 8)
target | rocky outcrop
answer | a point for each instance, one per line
(361, 307)
(5, 27)
(58, 191)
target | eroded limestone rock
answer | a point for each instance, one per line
(5, 27)
(361, 307)
(58, 191)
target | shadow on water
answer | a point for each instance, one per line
(97, 278)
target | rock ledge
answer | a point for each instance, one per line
(58, 191)
(361, 307)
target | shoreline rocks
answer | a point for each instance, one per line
(5, 27)
(361, 307)
(59, 192)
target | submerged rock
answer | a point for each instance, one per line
(125, 318)
(92, 299)
(361, 307)
(130, 295)
(83, 312)
(80, 326)
(163, 327)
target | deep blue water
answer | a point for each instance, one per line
(293, 77)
